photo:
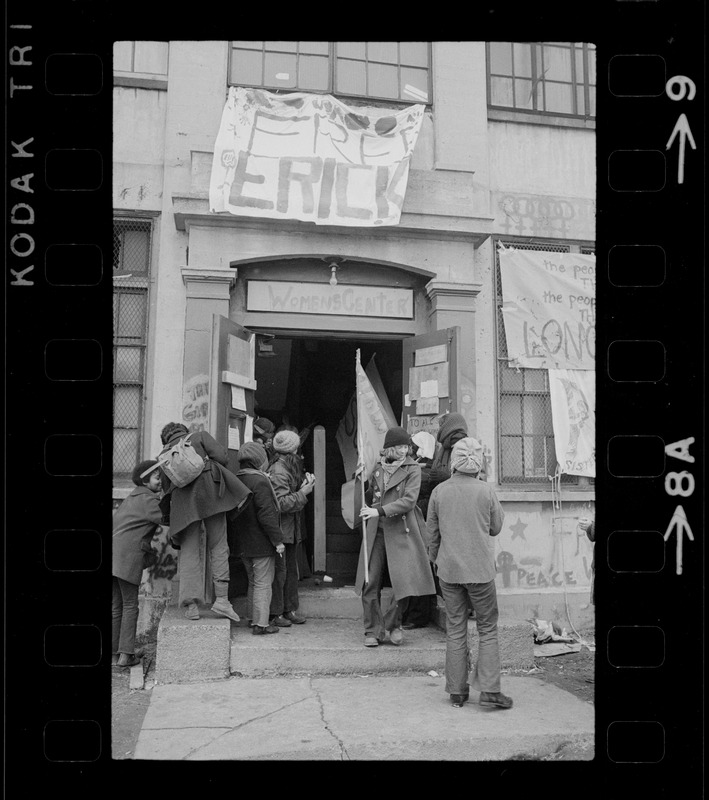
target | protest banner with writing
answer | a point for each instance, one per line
(573, 412)
(312, 158)
(549, 309)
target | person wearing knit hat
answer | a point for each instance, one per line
(463, 514)
(292, 486)
(394, 541)
(263, 433)
(258, 538)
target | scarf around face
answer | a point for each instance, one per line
(389, 468)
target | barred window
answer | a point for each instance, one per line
(550, 78)
(395, 71)
(131, 272)
(525, 431)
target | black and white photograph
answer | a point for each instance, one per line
(354, 282)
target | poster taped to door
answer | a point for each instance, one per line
(422, 378)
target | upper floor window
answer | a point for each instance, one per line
(398, 71)
(554, 78)
(144, 60)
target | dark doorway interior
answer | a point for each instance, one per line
(310, 381)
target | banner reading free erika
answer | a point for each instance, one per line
(549, 309)
(312, 158)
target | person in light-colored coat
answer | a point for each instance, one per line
(463, 514)
(394, 540)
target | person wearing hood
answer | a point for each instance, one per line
(213, 494)
(258, 539)
(463, 513)
(394, 540)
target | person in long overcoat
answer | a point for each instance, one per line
(395, 541)
(136, 521)
(208, 499)
(258, 538)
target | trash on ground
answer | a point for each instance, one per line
(549, 632)
(433, 674)
(555, 649)
(327, 578)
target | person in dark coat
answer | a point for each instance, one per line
(589, 526)
(263, 434)
(394, 540)
(208, 499)
(135, 523)
(463, 513)
(292, 485)
(259, 539)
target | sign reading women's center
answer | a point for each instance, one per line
(312, 158)
(549, 309)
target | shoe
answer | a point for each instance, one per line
(495, 700)
(224, 608)
(127, 660)
(258, 630)
(396, 636)
(294, 617)
(281, 622)
(371, 641)
(458, 699)
(192, 611)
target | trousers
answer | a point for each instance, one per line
(260, 572)
(285, 584)
(191, 572)
(376, 623)
(486, 673)
(124, 613)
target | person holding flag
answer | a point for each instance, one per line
(392, 539)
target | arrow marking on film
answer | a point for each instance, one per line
(681, 127)
(679, 518)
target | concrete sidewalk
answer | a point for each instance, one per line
(357, 717)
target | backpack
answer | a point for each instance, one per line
(182, 463)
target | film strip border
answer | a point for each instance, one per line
(650, 382)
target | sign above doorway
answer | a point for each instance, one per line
(321, 298)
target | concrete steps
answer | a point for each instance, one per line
(329, 643)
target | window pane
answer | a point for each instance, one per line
(501, 58)
(131, 316)
(510, 414)
(126, 406)
(557, 64)
(351, 77)
(383, 51)
(125, 450)
(318, 48)
(281, 47)
(511, 452)
(280, 70)
(383, 81)
(592, 99)
(501, 92)
(414, 54)
(559, 97)
(248, 45)
(127, 364)
(511, 379)
(151, 57)
(414, 85)
(535, 458)
(134, 252)
(523, 94)
(313, 73)
(123, 56)
(591, 64)
(351, 50)
(246, 67)
(578, 57)
(580, 108)
(537, 415)
(523, 60)
(535, 380)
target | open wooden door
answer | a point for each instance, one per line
(233, 385)
(430, 382)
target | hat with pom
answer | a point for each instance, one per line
(286, 442)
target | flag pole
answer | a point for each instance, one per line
(360, 469)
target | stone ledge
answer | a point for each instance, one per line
(192, 650)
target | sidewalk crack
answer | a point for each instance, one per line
(344, 755)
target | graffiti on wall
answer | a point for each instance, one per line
(543, 550)
(543, 216)
(195, 403)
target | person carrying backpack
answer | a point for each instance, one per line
(208, 498)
